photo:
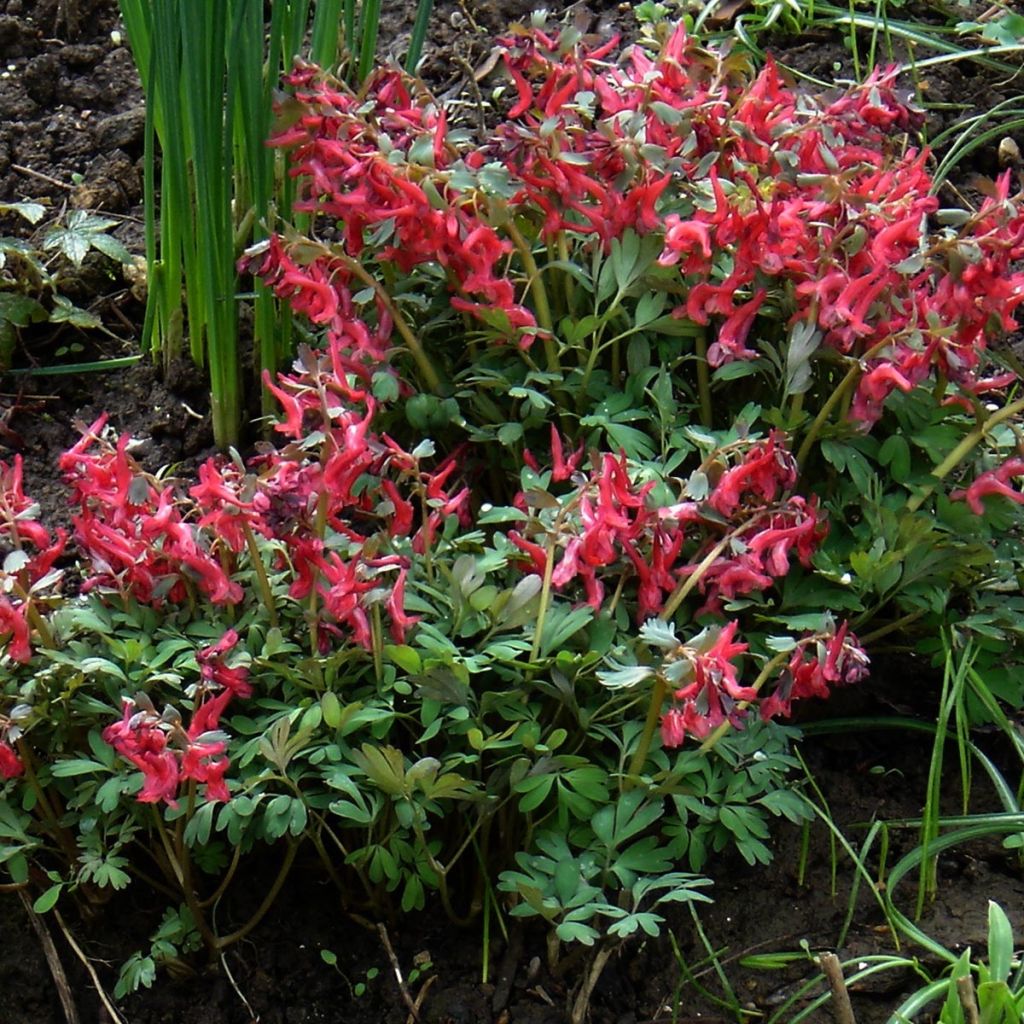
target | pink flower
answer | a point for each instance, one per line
(994, 482)
(562, 467)
(767, 470)
(400, 622)
(730, 343)
(14, 625)
(836, 660)
(10, 763)
(140, 739)
(219, 495)
(167, 755)
(713, 696)
(874, 388)
(214, 671)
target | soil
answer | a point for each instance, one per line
(71, 128)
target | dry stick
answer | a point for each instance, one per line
(402, 987)
(421, 996)
(253, 1017)
(60, 979)
(965, 992)
(590, 979)
(842, 1010)
(87, 964)
(42, 177)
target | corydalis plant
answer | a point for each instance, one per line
(664, 207)
(773, 209)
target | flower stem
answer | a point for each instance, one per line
(545, 596)
(653, 714)
(412, 343)
(261, 574)
(540, 296)
(38, 623)
(703, 378)
(268, 901)
(962, 450)
(851, 378)
(681, 592)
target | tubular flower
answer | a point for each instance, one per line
(818, 663)
(714, 695)
(994, 482)
(10, 764)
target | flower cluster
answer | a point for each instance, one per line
(377, 165)
(821, 224)
(318, 504)
(818, 663)
(133, 529)
(29, 553)
(166, 752)
(711, 694)
(714, 695)
(736, 541)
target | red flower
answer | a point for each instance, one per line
(14, 625)
(836, 660)
(712, 697)
(767, 470)
(140, 738)
(562, 467)
(994, 482)
(10, 763)
(400, 622)
(214, 671)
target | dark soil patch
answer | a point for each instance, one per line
(71, 120)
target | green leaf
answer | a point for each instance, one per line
(405, 657)
(1000, 942)
(536, 789)
(509, 433)
(331, 708)
(895, 453)
(384, 766)
(621, 676)
(561, 624)
(500, 514)
(111, 247)
(76, 766)
(649, 308)
(804, 340)
(32, 212)
(576, 931)
(197, 831)
(138, 971)
(1006, 30)
(48, 900)
(20, 310)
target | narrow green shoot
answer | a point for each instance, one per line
(209, 72)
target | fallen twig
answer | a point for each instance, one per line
(108, 1004)
(420, 996)
(402, 987)
(21, 169)
(60, 979)
(968, 1000)
(842, 1009)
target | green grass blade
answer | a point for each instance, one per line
(419, 34)
(369, 25)
(327, 35)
